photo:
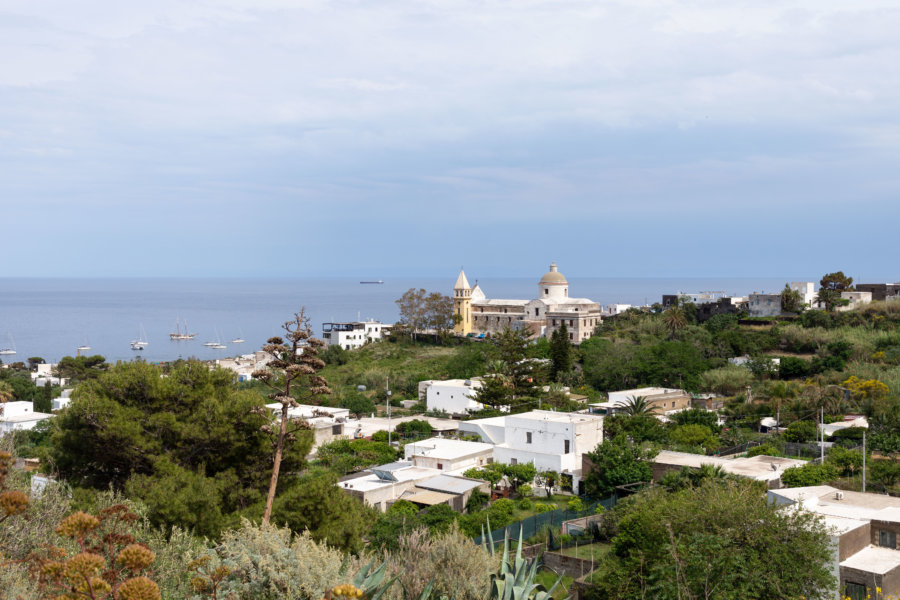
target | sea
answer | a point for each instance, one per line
(51, 318)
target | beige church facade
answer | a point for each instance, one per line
(541, 316)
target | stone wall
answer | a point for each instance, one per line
(568, 565)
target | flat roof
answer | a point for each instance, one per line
(34, 416)
(427, 497)
(874, 559)
(450, 484)
(369, 425)
(371, 481)
(556, 417)
(757, 467)
(446, 448)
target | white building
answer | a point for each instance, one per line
(245, 364)
(20, 415)
(551, 441)
(354, 334)
(448, 455)
(383, 485)
(855, 299)
(63, 401)
(807, 291)
(453, 396)
(663, 400)
(327, 423)
(863, 530)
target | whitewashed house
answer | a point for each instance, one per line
(453, 396)
(354, 334)
(551, 441)
(448, 455)
(20, 415)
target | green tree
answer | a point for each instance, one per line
(560, 353)
(413, 313)
(801, 432)
(43, 401)
(693, 435)
(809, 474)
(34, 361)
(830, 288)
(297, 363)
(638, 428)
(316, 504)
(548, 479)
(81, 368)
(348, 456)
(617, 461)
(491, 475)
(125, 421)
(174, 494)
(719, 541)
(439, 313)
(358, 404)
(791, 300)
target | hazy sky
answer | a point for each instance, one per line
(276, 137)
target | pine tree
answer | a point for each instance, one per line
(560, 353)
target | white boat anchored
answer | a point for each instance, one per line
(139, 343)
(84, 347)
(240, 338)
(12, 346)
(216, 345)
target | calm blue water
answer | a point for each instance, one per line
(50, 318)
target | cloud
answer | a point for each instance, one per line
(514, 111)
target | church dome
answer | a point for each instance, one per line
(553, 276)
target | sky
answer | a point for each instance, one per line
(644, 138)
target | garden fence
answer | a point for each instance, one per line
(533, 524)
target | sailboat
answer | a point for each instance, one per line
(181, 335)
(139, 343)
(218, 345)
(84, 347)
(12, 346)
(240, 338)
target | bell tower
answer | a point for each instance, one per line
(462, 304)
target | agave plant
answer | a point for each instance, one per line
(372, 585)
(515, 580)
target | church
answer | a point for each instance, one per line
(542, 316)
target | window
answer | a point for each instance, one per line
(337, 429)
(527, 437)
(887, 539)
(566, 448)
(513, 461)
(546, 291)
(855, 591)
(537, 312)
(441, 466)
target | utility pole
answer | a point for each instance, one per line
(822, 434)
(387, 399)
(864, 461)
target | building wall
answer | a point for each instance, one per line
(452, 399)
(764, 305)
(451, 464)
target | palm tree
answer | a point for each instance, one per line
(7, 393)
(675, 319)
(638, 405)
(780, 391)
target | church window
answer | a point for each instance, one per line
(537, 312)
(546, 291)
